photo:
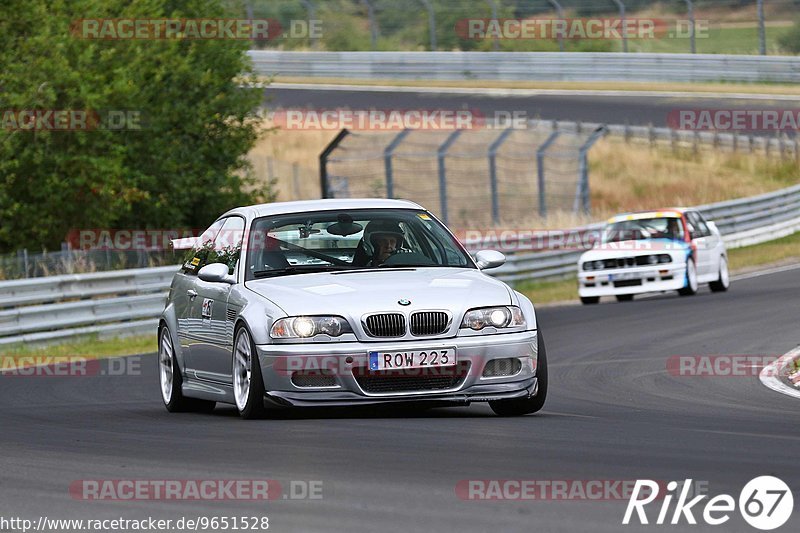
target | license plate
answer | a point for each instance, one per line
(412, 359)
(623, 276)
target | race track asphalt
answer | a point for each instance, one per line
(614, 412)
(604, 109)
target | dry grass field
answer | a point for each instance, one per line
(623, 176)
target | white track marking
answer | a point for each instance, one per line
(777, 368)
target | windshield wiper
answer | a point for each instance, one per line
(297, 269)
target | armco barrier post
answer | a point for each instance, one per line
(493, 173)
(323, 161)
(387, 161)
(441, 153)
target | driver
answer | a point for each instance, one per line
(386, 238)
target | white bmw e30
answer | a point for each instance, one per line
(672, 249)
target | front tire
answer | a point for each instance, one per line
(624, 297)
(691, 279)
(171, 380)
(524, 406)
(724, 280)
(590, 300)
(248, 383)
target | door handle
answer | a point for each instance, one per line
(192, 293)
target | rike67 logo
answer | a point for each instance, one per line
(765, 503)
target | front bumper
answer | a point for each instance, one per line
(344, 361)
(655, 278)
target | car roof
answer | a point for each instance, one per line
(339, 204)
(667, 212)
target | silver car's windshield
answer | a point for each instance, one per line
(349, 240)
(644, 228)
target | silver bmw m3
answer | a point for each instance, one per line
(344, 302)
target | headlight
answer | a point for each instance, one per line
(497, 317)
(303, 327)
(593, 265)
(664, 258)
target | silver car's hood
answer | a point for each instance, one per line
(355, 293)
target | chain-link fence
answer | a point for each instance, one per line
(467, 177)
(25, 264)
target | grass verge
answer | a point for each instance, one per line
(759, 255)
(88, 348)
(628, 86)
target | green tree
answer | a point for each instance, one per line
(184, 166)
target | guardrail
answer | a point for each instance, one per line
(106, 304)
(528, 66)
(128, 301)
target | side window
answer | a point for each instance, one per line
(228, 244)
(700, 225)
(703, 223)
(194, 259)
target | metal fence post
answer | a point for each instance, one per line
(387, 161)
(582, 193)
(495, 41)
(312, 16)
(560, 12)
(540, 153)
(323, 161)
(373, 23)
(762, 30)
(690, 13)
(493, 172)
(622, 16)
(441, 153)
(431, 22)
